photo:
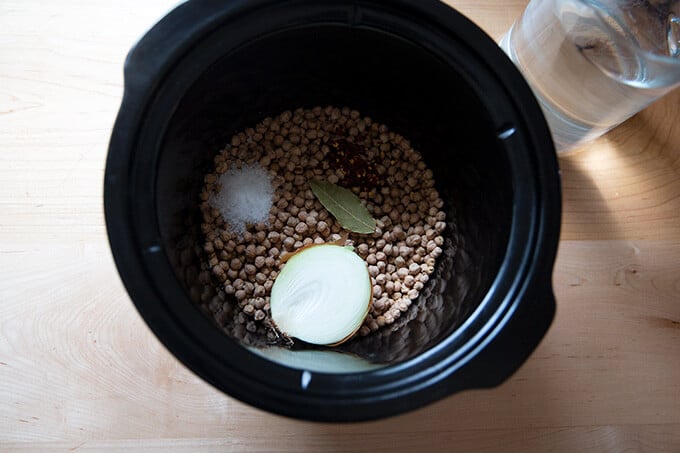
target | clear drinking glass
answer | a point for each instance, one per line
(595, 63)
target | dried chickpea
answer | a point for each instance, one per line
(294, 148)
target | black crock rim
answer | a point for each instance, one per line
(431, 375)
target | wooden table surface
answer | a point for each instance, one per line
(80, 371)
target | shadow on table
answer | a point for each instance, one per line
(639, 172)
(654, 132)
(586, 211)
(608, 185)
(474, 417)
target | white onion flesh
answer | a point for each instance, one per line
(322, 295)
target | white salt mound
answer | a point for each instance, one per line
(245, 197)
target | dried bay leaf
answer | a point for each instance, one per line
(345, 206)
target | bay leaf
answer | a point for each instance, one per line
(344, 205)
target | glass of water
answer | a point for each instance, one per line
(592, 64)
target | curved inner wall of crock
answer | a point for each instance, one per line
(397, 84)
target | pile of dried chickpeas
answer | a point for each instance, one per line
(350, 150)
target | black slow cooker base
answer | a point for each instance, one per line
(211, 68)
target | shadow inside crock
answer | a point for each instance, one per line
(425, 100)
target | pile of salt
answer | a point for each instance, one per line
(245, 197)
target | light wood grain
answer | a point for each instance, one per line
(625, 185)
(80, 371)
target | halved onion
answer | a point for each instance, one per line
(322, 295)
